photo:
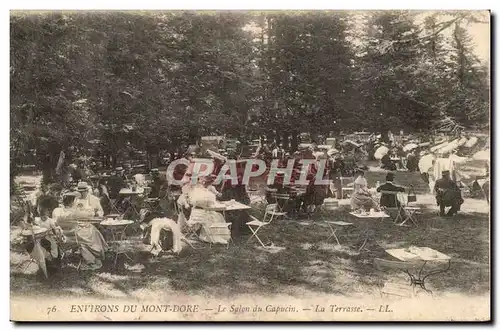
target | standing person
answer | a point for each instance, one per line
(412, 161)
(448, 194)
(90, 241)
(158, 184)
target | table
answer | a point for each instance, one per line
(380, 215)
(117, 230)
(224, 206)
(424, 254)
(334, 227)
(91, 220)
(237, 221)
(128, 191)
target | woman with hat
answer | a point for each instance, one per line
(361, 198)
(89, 240)
(88, 203)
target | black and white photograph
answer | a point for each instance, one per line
(230, 165)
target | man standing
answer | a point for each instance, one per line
(447, 194)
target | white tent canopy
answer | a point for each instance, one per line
(462, 141)
(448, 147)
(482, 155)
(471, 142)
(439, 146)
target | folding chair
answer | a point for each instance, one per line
(334, 227)
(398, 209)
(282, 201)
(113, 203)
(408, 211)
(346, 186)
(190, 230)
(255, 225)
(272, 210)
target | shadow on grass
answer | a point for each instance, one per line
(308, 262)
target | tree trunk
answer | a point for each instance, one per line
(294, 143)
(286, 140)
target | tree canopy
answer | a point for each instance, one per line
(160, 79)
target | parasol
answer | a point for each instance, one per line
(409, 147)
(380, 152)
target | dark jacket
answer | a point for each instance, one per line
(388, 200)
(447, 192)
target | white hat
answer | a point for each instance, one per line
(82, 186)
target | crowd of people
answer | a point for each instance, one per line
(84, 190)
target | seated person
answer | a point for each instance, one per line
(412, 162)
(88, 201)
(158, 184)
(47, 250)
(448, 194)
(389, 200)
(361, 198)
(90, 241)
(201, 199)
(386, 163)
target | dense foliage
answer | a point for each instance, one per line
(159, 79)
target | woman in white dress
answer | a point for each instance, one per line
(201, 200)
(90, 241)
(361, 198)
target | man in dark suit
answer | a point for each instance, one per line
(448, 194)
(389, 200)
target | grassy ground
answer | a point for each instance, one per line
(306, 264)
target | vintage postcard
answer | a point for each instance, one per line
(250, 165)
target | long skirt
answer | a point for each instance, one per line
(209, 231)
(361, 201)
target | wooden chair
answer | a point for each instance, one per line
(396, 288)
